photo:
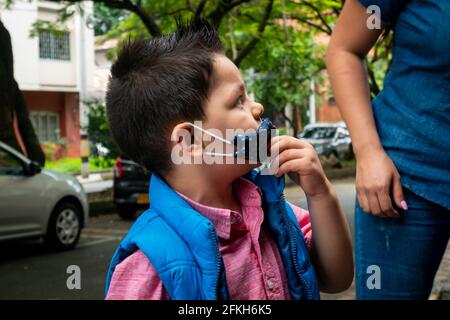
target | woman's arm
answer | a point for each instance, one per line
(376, 176)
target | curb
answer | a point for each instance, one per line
(105, 174)
(103, 199)
(96, 171)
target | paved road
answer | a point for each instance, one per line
(29, 271)
(345, 190)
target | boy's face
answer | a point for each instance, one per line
(228, 111)
(228, 108)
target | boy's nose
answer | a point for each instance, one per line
(257, 110)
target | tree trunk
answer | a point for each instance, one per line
(12, 102)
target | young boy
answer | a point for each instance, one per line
(211, 233)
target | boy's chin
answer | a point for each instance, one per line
(237, 170)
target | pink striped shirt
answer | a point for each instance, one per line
(253, 265)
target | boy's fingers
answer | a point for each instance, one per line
(294, 165)
(280, 143)
(290, 154)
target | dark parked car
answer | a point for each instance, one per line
(131, 183)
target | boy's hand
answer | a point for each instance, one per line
(299, 160)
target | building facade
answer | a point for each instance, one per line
(53, 71)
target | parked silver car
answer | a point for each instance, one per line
(35, 202)
(329, 139)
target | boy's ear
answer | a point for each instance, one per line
(182, 134)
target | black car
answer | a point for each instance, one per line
(131, 186)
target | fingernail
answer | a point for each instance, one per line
(404, 205)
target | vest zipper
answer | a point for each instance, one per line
(294, 248)
(218, 262)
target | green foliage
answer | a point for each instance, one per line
(102, 162)
(66, 165)
(98, 127)
(285, 68)
(73, 165)
(284, 52)
(107, 19)
(58, 28)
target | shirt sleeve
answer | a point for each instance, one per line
(135, 278)
(304, 221)
(389, 9)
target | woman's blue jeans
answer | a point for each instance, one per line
(398, 258)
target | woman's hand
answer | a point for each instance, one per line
(377, 180)
(378, 183)
(299, 160)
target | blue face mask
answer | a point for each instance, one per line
(255, 145)
(252, 146)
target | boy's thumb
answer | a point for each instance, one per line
(397, 191)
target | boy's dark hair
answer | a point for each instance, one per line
(157, 83)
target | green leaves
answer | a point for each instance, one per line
(98, 127)
(57, 27)
(286, 51)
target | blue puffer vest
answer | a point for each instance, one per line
(183, 246)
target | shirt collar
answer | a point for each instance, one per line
(225, 220)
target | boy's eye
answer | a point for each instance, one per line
(239, 101)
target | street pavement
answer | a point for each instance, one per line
(29, 271)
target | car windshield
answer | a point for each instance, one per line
(319, 133)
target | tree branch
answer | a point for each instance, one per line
(146, 18)
(137, 9)
(252, 43)
(199, 10)
(318, 14)
(222, 8)
(291, 122)
(309, 23)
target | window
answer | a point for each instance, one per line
(319, 133)
(46, 126)
(54, 46)
(10, 165)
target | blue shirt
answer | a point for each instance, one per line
(412, 113)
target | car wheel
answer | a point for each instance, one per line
(126, 212)
(336, 161)
(64, 227)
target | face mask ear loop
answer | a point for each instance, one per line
(217, 137)
(220, 154)
(209, 133)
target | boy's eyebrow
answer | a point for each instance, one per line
(239, 88)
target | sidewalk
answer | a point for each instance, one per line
(98, 187)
